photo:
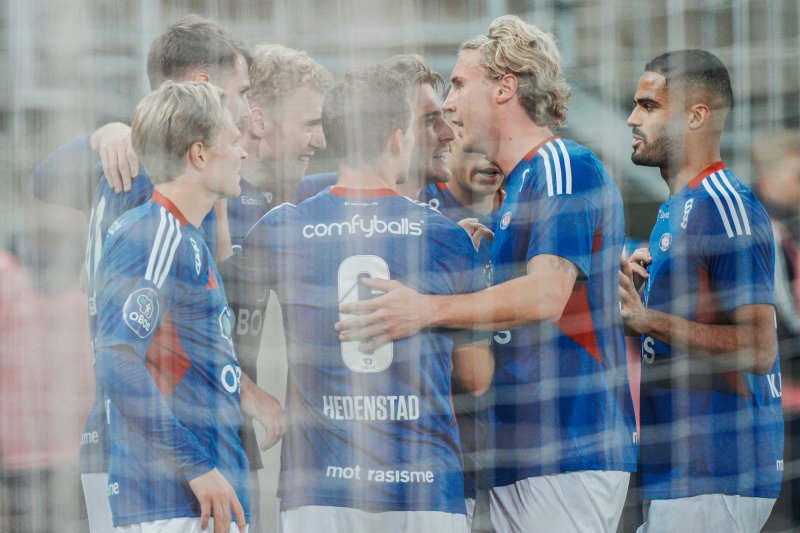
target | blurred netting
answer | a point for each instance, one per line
(73, 66)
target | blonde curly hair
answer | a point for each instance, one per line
(276, 71)
(516, 47)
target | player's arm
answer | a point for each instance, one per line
(112, 142)
(538, 296)
(748, 343)
(473, 365)
(68, 176)
(266, 409)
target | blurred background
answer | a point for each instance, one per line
(69, 67)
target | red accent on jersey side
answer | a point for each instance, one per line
(536, 148)
(716, 167)
(166, 359)
(597, 241)
(167, 204)
(576, 321)
(346, 192)
(442, 186)
(212, 280)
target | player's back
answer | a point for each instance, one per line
(372, 431)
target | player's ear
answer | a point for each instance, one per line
(197, 155)
(699, 116)
(394, 145)
(257, 127)
(200, 75)
(506, 88)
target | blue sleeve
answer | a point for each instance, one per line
(565, 226)
(742, 266)
(247, 282)
(314, 184)
(131, 308)
(69, 175)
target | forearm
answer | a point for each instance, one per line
(746, 346)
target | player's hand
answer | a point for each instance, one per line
(396, 314)
(639, 260)
(634, 313)
(266, 409)
(120, 164)
(477, 231)
(217, 498)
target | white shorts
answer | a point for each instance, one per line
(585, 501)
(98, 510)
(172, 525)
(470, 503)
(346, 520)
(707, 512)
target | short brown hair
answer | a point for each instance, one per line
(360, 113)
(190, 43)
(516, 47)
(414, 71)
(166, 123)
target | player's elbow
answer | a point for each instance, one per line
(474, 368)
(764, 356)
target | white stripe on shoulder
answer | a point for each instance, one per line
(548, 172)
(524, 175)
(738, 198)
(164, 252)
(557, 166)
(174, 247)
(567, 165)
(714, 178)
(156, 245)
(710, 190)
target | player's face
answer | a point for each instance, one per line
(235, 83)
(296, 132)
(473, 173)
(470, 102)
(432, 137)
(225, 160)
(655, 124)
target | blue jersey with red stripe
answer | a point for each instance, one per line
(369, 431)
(165, 359)
(562, 399)
(107, 207)
(706, 430)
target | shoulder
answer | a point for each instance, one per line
(725, 205)
(568, 168)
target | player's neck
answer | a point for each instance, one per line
(193, 204)
(365, 177)
(692, 163)
(516, 141)
(480, 203)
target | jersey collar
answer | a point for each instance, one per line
(346, 192)
(538, 147)
(716, 167)
(167, 204)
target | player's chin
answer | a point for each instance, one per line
(439, 173)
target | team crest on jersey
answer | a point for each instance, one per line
(141, 312)
(506, 220)
(665, 241)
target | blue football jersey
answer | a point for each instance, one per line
(165, 359)
(470, 411)
(705, 430)
(247, 209)
(107, 207)
(562, 398)
(314, 184)
(369, 431)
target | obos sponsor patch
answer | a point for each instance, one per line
(141, 312)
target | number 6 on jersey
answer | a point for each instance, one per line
(351, 271)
